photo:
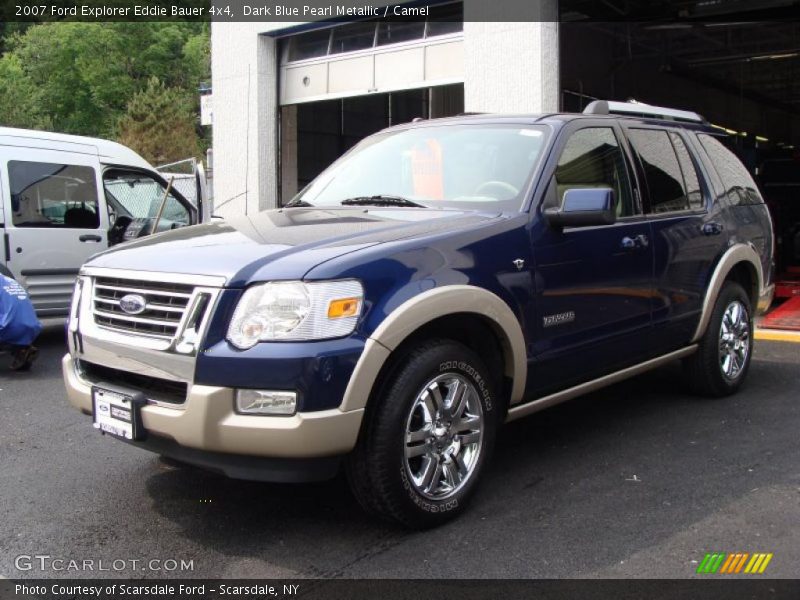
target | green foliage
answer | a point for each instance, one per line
(18, 105)
(159, 124)
(82, 78)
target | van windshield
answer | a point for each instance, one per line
(482, 167)
(139, 196)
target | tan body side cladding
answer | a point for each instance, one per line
(424, 308)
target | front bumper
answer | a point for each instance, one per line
(207, 422)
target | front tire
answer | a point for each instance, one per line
(427, 438)
(722, 360)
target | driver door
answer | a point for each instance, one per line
(593, 283)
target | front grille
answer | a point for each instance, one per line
(165, 305)
(154, 388)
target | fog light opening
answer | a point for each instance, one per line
(266, 402)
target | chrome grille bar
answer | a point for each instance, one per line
(165, 305)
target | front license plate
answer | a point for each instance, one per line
(115, 413)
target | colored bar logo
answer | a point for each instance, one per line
(736, 562)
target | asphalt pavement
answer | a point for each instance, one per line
(637, 480)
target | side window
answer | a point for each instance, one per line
(739, 185)
(592, 158)
(662, 171)
(690, 180)
(53, 195)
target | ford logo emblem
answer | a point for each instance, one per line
(133, 304)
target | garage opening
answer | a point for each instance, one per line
(327, 129)
(344, 81)
(738, 68)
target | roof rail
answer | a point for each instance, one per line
(607, 107)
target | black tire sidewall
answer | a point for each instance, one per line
(424, 365)
(730, 292)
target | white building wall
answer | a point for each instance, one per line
(511, 67)
(244, 72)
(508, 67)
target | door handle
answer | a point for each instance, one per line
(711, 228)
(632, 243)
(90, 238)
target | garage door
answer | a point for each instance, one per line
(368, 57)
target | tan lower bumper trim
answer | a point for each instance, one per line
(207, 422)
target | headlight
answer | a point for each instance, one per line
(293, 310)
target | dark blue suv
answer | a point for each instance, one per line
(441, 278)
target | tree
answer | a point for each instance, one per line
(18, 101)
(159, 124)
(76, 77)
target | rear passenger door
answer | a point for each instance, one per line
(54, 223)
(685, 241)
(593, 284)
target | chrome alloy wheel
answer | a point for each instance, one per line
(734, 340)
(444, 436)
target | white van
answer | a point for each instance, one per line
(64, 198)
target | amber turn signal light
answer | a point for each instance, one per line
(343, 307)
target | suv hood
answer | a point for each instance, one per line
(289, 242)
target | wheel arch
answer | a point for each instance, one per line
(434, 311)
(739, 263)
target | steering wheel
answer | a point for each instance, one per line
(116, 234)
(501, 188)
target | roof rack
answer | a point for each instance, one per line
(607, 107)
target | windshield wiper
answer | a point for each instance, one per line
(297, 204)
(381, 200)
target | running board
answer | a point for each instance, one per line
(523, 410)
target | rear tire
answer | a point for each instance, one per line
(720, 365)
(427, 438)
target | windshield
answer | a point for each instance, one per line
(483, 167)
(139, 195)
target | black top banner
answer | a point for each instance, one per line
(294, 11)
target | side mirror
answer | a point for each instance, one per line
(583, 207)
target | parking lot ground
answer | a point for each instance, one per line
(638, 480)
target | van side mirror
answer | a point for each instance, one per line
(583, 207)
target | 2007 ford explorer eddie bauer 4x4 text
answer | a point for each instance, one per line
(441, 278)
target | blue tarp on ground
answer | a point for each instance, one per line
(18, 323)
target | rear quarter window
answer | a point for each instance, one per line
(671, 180)
(739, 185)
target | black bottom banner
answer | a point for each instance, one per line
(391, 589)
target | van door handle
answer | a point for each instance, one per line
(90, 238)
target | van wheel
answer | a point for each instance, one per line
(428, 437)
(720, 364)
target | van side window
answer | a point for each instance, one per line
(665, 180)
(592, 159)
(53, 195)
(690, 180)
(739, 185)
